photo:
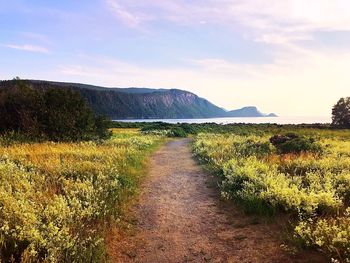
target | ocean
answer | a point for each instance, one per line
(277, 120)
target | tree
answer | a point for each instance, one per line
(341, 113)
(67, 115)
(58, 114)
(19, 108)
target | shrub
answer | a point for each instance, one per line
(292, 143)
(145, 126)
(280, 139)
(178, 132)
(330, 235)
(254, 147)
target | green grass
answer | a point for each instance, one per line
(314, 187)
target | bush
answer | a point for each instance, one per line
(253, 147)
(178, 132)
(292, 143)
(279, 139)
(332, 236)
(149, 126)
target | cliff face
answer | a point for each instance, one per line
(178, 104)
(134, 103)
(155, 105)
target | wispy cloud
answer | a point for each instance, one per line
(294, 78)
(128, 18)
(278, 54)
(29, 48)
(35, 37)
(283, 38)
(270, 21)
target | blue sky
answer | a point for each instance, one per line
(288, 56)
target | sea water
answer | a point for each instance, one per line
(257, 120)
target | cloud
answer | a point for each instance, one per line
(29, 48)
(299, 77)
(298, 82)
(35, 37)
(126, 17)
(269, 21)
(283, 38)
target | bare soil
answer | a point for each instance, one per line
(179, 217)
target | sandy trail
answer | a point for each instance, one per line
(180, 218)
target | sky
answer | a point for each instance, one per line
(291, 57)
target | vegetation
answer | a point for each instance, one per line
(65, 172)
(302, 172)
(293, 143)
(57, 198)
(56, 114)
(341, 113)
(304, 130)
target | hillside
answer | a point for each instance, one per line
(143, 103)
(250, 111)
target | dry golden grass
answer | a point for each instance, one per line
(54, 196)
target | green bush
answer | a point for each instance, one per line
(257, 148)
(146, 126)
(292, 143)
(178, 132)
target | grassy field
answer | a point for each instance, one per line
(57, 198)
(312, 187)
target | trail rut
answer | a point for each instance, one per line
(180, 218)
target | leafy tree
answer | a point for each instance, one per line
(59, 114)
(67, 115)
(19, 109)
(341, 113)
(102, 127)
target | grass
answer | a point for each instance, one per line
(314, 188)
(57, 198)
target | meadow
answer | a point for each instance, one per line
(57, 199)
(311, 185)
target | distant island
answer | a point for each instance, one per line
(145, 103)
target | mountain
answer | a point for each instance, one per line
(151, 105)
(272, 115)
(144, 103)
(250, 111)
(139, 90)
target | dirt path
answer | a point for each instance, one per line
(180, 218)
